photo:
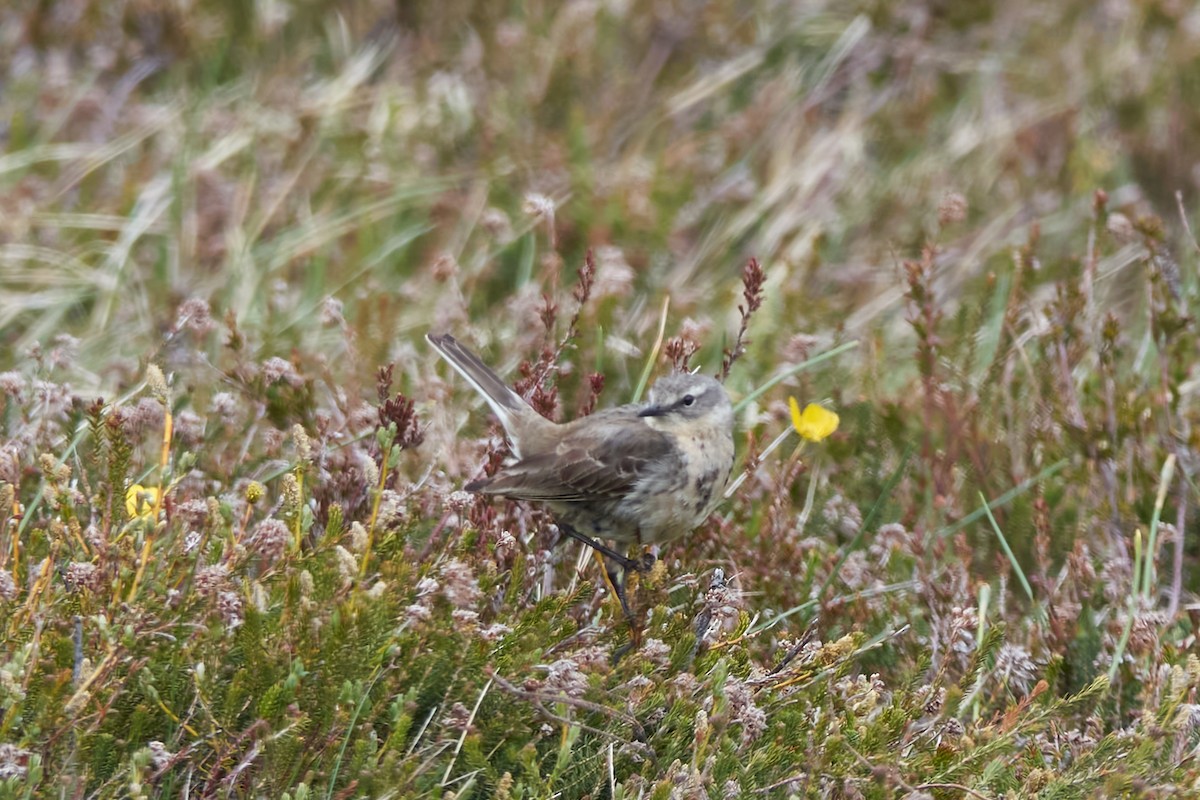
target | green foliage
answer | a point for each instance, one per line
(225, 226)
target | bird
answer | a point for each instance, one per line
(637, 474)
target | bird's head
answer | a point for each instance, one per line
(683, 400)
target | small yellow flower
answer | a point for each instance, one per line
(814, 423)
(141, 500)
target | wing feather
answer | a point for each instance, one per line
(599, 462)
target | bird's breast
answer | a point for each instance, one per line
(682, 495)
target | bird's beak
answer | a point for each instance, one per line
(652, 411)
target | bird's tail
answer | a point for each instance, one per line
(515, 414)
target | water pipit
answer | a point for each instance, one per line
(635, 474)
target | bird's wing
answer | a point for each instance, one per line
(595, 462)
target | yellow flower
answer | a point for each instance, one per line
(814, 423)
(254, 492)
(141, 500)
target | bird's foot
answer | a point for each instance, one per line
(643, 563)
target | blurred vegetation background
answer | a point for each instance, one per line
(222, 573)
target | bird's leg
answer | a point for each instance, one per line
(631, 566)
(618, 580)
(623, 561)
(614, 579)
(614, 561)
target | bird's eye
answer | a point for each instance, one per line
(688, 400)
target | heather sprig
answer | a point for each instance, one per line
(236, 556)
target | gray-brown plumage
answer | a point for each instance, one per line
(632, 474)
